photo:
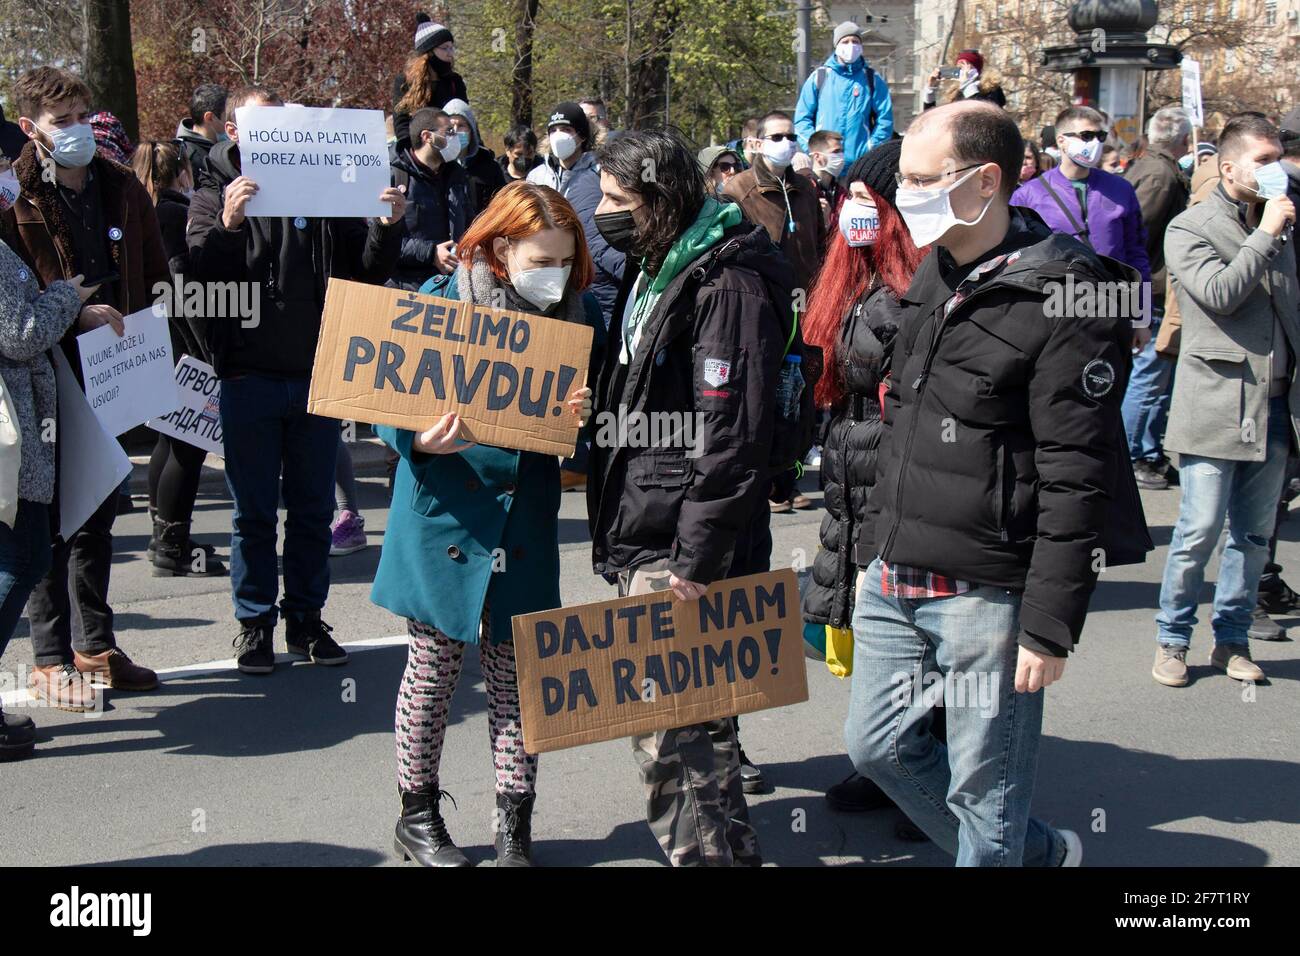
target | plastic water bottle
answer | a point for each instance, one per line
(789, 387)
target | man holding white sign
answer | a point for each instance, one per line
(265, 364)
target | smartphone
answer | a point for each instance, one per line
(949, 72)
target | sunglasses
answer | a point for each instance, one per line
(1088, 135)
(777, 137)
(726, 167)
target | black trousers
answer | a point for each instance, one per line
(69, 607)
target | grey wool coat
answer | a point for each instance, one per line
(1232, 280)
(32, 321)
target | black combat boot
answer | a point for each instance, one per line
(421, 832)
(176, 554)
(515, 828)
(209, 552)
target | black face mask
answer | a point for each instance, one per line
(616, 228)
(520, 165)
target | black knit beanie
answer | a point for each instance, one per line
(876, 167)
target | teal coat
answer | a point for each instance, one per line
(453, 518)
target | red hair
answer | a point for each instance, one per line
(845, 275)
(518, 211)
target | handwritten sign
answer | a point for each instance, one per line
(197, 420)
(129, 377)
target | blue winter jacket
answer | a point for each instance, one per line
(845, 104)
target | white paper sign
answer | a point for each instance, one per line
(129, 378)
(197, 421)
(91, 462)
(314, 162)
(1191, 72)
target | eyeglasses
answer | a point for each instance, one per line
(726, 167)
(1088, 135)
(777, 137)
(925, 182)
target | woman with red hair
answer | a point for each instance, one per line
(853, 315)
(473, 534)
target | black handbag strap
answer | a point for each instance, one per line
(1080, 232)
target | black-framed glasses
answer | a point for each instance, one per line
(726, 167)
(1088, 135)
(925, 182)
(777, 137)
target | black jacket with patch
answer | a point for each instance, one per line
(645, 503)
(291, 266)
(1003, 457)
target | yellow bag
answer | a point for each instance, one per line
(839, 650)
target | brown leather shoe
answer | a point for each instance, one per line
(63, 687)
(114, 669)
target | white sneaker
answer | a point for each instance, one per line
(1073, 848)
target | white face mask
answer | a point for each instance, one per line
(859, 222)
(74, 146)
(971, 85)
(451, 151)
(779, 153)
(9, 190)
(849, 51)
(928, 212)
(542, 287)
(835, 164)
(563, 145)
(1085, 154)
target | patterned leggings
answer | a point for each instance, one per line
(433, 665)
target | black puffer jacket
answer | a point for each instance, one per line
(1004, 459)
(849, 455)
(291, 265)
(717, 320)
(173, 213)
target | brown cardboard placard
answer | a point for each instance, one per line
(650, 662)
(389, 357)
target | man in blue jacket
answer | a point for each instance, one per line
(846, 96)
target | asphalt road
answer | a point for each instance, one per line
(298, 768)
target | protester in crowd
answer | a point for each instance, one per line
(1207, 154)
(598, 119)
(31, 322)
(457, 506)
(204, 127)
(439, 199)
(720, 164)
(996, 470)
(827, 151)
(175, 467)
(788, 206)
(1096, 207)
(845, 95)
(747, 144)
(274, 447)
(429, 78)
(571, 170)
(520, 157)
(853, 315)
(92, 218)
(1112, 161)
(1162, 193)
(111, 140)
(479, 162)
(1033, 162)
(1232, 418)
(711, 294)
(973, 82)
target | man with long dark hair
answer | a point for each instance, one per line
(697, 330)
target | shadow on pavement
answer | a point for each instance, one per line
(259, 854)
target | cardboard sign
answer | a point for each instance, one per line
(389, 357)
(1191, 75)
(91, 463)
(651, 662)
(129, 377)
(314, 162)
(197, 420)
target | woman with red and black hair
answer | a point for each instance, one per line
(473, 534)
(853, 315)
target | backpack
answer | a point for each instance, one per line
(819, 77)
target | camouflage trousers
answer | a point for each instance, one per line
(694, 802)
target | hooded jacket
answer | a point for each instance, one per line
(581, 186)
(194, 146)
(290, 264)
(1004, 460)
(710, 351)
(479, 162)
(850, 102)
(439, 207)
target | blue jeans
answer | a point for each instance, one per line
(269, 435)
(24, 560)
(971, 797)
(1146, 402)
(1246, 494)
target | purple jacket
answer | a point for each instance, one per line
(1114, 224)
